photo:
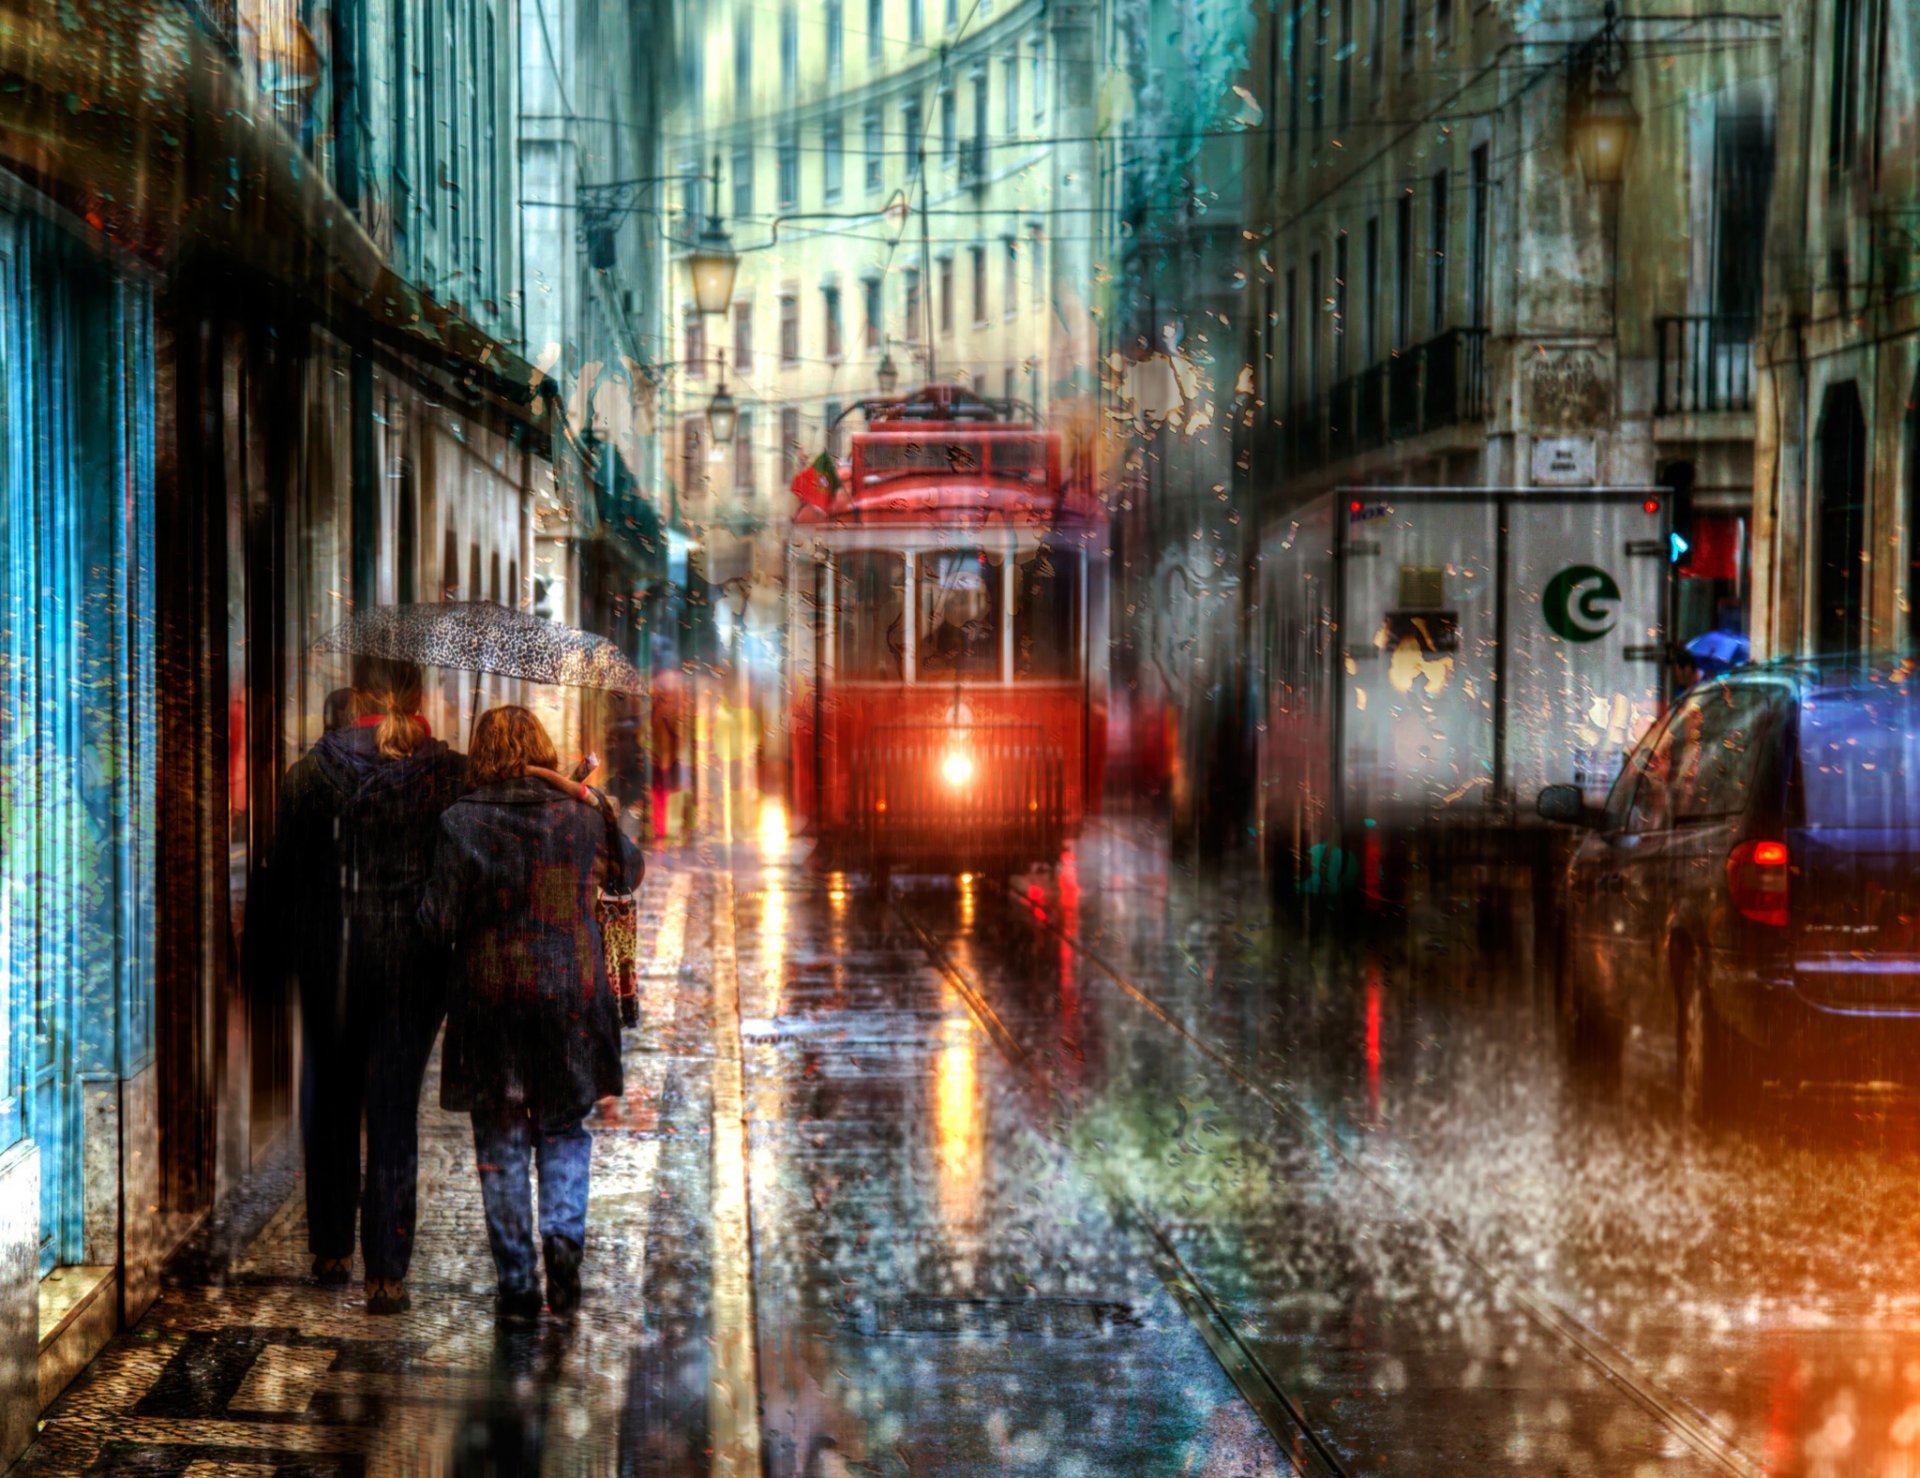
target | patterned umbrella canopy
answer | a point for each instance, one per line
(479, 636)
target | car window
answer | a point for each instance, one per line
(1860, 758)
(1719, 734)
(1622, 799)
(1654, 762)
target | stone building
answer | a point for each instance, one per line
(1443, 293)
(263, 298)
(1836, 490)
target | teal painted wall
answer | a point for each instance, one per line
(77, 698)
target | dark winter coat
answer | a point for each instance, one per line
(531, 1018)
(351, 855)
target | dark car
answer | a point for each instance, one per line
(1752, 885)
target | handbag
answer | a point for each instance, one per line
(619, 916)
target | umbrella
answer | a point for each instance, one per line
(478, 636)
(1716, 651)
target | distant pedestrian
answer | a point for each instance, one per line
(351, 853)
(533, 1035)
(1684, 666)
(338, 711)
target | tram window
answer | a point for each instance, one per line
(959, 615)
(871, 620)
(1046, 613)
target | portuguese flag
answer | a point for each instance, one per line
(817, 482)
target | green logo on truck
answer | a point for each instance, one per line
(1578, 603)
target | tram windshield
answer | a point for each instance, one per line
(870, 623)
(1046, 613)
(960, 596)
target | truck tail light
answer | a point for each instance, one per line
(1757, 881)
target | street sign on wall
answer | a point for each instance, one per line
(1564, 462)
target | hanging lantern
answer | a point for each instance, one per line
(1602, 118)
(723, 416)
(1604, 128)
(713, 266)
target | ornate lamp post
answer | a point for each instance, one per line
(1601, 116)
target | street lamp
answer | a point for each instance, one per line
(888, 374)
(723, 416)
(1602, 116)
(713, 263)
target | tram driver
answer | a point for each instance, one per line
(960, 630)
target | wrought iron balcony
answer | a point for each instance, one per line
(1442, 382)
(1706, 363)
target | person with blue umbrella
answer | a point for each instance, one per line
(1715, 652)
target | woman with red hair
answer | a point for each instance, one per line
(533, 1030)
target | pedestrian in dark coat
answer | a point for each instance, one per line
(359, 819)
(533, 1034)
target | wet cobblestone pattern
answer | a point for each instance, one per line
(250, 1369)
(1097, 1173)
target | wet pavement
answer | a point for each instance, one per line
(1108, 1172)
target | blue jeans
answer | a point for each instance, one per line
(506, 1138)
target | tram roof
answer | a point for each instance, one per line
(946, 502)
(956, 470)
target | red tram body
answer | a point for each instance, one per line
(948, 645)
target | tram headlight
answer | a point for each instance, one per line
(956, 768)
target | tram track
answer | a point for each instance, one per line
(1306, 1449)
(1671, 1411)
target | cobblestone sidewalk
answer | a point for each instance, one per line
(250, 1369)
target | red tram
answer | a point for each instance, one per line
(948, 644)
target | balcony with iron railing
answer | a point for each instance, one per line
(1423, 388)
(1706, 364)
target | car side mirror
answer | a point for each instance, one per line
(1565, 805)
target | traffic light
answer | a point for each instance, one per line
(1677, 479)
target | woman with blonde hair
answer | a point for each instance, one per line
(354, 843)
(533, 1031)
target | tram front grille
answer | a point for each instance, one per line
(965, 793)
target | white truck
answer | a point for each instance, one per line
(1432, 658)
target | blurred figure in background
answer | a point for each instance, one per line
(1684, 668)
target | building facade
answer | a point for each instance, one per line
(1444, 294)
(593, 76)
(1176, 219)
(1836, 489)
(1444, 297)
(263, 305)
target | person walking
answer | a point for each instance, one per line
(533, 1031)
(351, 852)
(358, 823)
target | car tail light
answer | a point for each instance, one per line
(1757, 881)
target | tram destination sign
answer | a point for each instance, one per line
(1016, 456)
